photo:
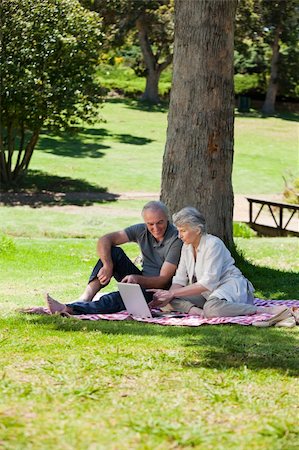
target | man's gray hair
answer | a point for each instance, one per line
(190, 216)
(155, 206)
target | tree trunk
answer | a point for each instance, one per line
(154, 69)
(151, 92)
(269, 103)
(197, 164)
(10, 176)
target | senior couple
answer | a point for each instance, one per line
(183, 269)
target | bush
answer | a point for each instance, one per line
(49, 53)
(7, 244)
(122, 79)
(291, 190)
(245, 84)
(242, 230)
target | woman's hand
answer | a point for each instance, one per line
(161, 298)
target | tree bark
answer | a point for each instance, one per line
(151, 92)
(197, 164)
(269, 103)
(21, 169)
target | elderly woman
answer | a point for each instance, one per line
(207, 282)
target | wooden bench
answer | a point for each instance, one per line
(280, 228)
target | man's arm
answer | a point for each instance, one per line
(159, 282)
(104, 251)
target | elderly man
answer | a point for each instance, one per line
(160, 248)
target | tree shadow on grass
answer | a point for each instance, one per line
(163, 106)
(140, 105)
(271, 283)
(86, 143)
(40, 188)
(219, 347)
(256, 114)
(117, 137)
(257, 349)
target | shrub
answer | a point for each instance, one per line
(291, 190)
(242, 230)
(245, 84)
(7, 244)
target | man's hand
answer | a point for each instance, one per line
(161, 298)
(132, 279)
(105, 274)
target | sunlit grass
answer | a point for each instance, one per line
(124, 153)
(69, 384)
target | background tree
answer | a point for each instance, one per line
(197, 164)
(148, 22)
(49, 50)
(280, 26)
(267, 44)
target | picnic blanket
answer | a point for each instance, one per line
(187, 320)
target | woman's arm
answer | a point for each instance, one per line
(162, 297)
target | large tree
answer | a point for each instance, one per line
(149, 23)
(49, 50)
(197, 165)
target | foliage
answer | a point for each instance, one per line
(142, 33)
(291, 189)
(49, 50)
(242, 230)
(7, 244)
(257, 22)
(247, 83)
(121, 79)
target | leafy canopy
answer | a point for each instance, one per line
(49, 49)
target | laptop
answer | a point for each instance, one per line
(135, 302)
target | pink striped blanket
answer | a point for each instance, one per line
(188, 320)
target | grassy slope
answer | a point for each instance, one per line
(107, 385)
(68, 384)
(75, 385)
(125, 152)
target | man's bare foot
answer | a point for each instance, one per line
(55, 307)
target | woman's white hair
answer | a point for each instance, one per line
(190, 216)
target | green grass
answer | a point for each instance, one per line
(133, 386)
(69, 221)
(68, 384)
(124, 153)
(106, 385)
(265, 150)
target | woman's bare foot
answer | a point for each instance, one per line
(195, 311)
(54, 306)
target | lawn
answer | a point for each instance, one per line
(67, 384)
(124, 152)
